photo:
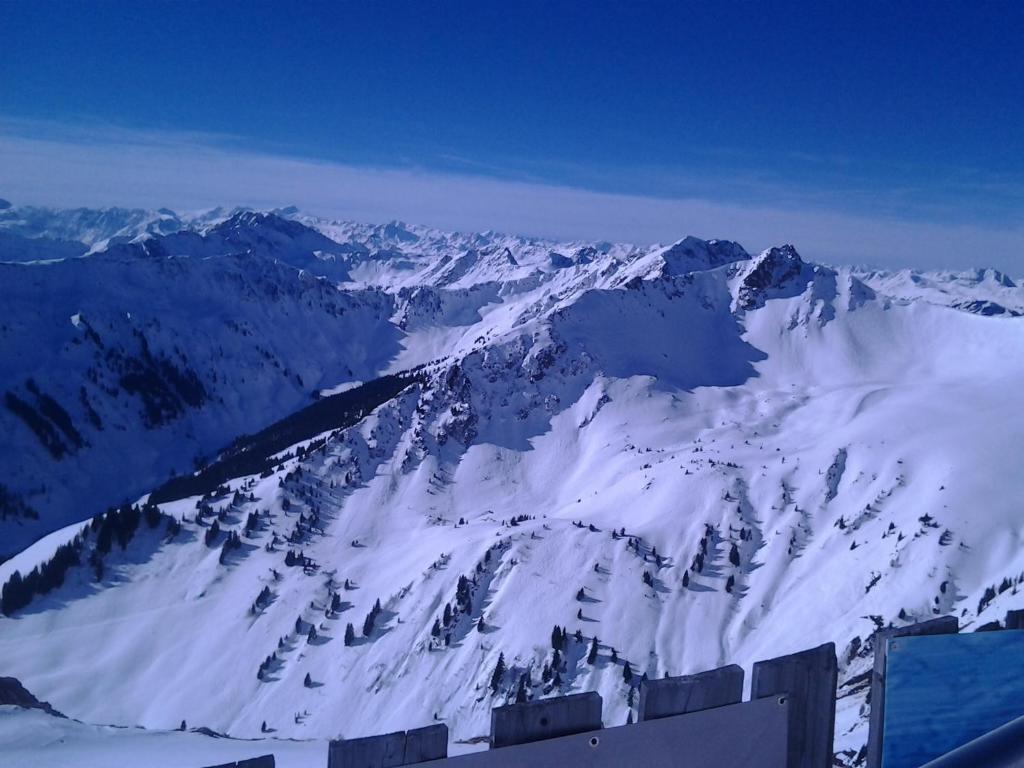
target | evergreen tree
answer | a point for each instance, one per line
(592, 656)
(686, 578)
(152, 514)
(730, 583)
(436, 629)
(183, 726)
(521, 691)
(308, 682)
(627, 673)
(734, 555)
(557, 639)
(211, 533)
(581, 594)
(312, 634)
(499, 672)
(350, 634)
(615, 656)
(447, 618)
(480, 626)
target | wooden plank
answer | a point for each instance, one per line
(545, 719)
(748, 735)
(1015, 619)
(808, 680)
(690, 693)
(386, 751)
(943, 691)
(428, 743)
(944, 625)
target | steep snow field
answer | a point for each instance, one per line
(797, 454)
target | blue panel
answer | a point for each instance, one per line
(942, 691)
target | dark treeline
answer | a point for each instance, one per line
(115, 525)
(250, 455)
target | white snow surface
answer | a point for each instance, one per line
(853, 436)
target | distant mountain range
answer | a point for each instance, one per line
(689, 454)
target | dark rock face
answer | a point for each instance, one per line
(772, 271)
(986, 308)
(13, 692)
(692, 254)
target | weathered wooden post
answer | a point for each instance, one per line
(386, 751)
(390, 749)
(808, 681)
(428, 743)
(690, 693)
(944, 625)
(545, 719)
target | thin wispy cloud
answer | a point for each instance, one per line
(102, 165)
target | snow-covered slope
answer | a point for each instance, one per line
(731, 456)
(126, 365)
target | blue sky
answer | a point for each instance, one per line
(888, 115)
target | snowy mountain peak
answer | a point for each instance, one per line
(691, 254)
(773, 272)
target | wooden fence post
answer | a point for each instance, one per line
(429, 743)
(386, 751)
(690, 693)
(545, 719)
(808, 680)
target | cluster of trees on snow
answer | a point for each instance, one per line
(445, 624)
(258, 454)
(18, 591)
(261, 601)
(232, 542)
(265, 665)
(1007, 584)
(371, 619)
(115, 525)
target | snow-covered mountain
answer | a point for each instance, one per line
(689, 454)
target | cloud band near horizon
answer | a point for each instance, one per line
(44, 165)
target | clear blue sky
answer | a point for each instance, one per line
(906, 111)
